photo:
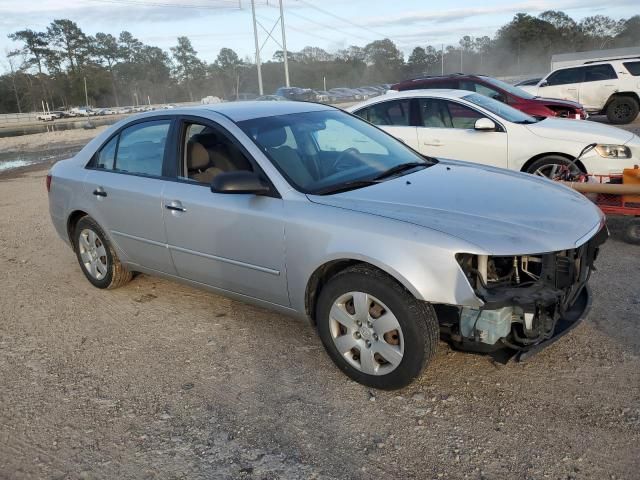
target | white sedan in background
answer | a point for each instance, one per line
(463, 125)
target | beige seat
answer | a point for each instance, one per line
(198, 163)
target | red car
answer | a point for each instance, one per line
(499, 90)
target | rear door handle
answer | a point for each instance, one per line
(99, 192)
(175, 206)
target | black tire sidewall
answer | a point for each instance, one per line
(632, 232)
(89, 223)
(633, 104)
(548, 160)
(402, 304)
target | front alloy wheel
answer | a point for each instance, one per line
(373, 329)
(366, 333)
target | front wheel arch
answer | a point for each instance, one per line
(534, 159)
(327, 271)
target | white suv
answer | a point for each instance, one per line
(605, 87)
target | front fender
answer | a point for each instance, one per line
(422, 260)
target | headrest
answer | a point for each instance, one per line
(272, 138)
(197, 156)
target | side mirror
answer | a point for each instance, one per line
(241, 181)
(485, 125)
(543, 83)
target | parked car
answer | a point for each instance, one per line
(46, 116)
(330, 96)
(320, 215)
(321, 96)
(346, 94)
(106, 111)
(296, 93)
(271, 98)
(610, 87)
(469, 126)
(501, 91)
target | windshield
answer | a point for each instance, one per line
(505, 111)
(513, 90)
(320, 152)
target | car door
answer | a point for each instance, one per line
(394, 117)
(123, 188)
(600, 82)
(448, 131)
(234, 242)
(564, 84)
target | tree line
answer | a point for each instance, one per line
(52, 65)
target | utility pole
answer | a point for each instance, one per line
(461, 69)
(255, 36)
(284, 46)
(442, 60)
(86, 96)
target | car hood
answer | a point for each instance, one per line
(558, 102)
(579, 130)
(499, 211)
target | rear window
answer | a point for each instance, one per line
(633, 67)
(596, 73)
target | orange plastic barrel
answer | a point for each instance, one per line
(631, 176)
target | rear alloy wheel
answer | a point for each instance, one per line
(97, 258)
(552, 166)
(622, 110)
(374, 330)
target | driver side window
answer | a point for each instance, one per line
(208, 152)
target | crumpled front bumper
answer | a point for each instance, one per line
(572, 317)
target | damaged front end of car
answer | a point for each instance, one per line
(529, 301)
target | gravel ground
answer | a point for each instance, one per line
(158, 380)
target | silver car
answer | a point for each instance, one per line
(312, 212)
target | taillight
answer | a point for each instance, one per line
(48, 183)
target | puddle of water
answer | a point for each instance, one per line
(15, 159)
(56, 127)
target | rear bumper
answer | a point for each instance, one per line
(572, 317)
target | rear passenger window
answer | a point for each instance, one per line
(141, 148)
(633, 67)
(596, 73)
(107, 155)
(395, 112)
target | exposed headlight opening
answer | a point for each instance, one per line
(613, 151)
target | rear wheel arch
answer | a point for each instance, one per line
(325, 272)
(534, 159)
(72, 221)
(615, 95)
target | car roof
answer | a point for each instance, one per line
(248, 110)
(427, 92)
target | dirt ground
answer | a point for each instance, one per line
(158, 380)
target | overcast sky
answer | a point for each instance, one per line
(330, 24)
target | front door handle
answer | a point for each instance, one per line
(99, 192)
(175, 206)
(436, 143)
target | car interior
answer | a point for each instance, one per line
(208, 153)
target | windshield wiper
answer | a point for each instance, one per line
(400, 168)
(344, 187)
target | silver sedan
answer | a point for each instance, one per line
(310, 211)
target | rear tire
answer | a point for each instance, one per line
(622, 109)
(397, 335)
(632, 232)
(98, 259)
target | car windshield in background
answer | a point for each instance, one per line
(505, 111)
(330, 151)
(513, 90)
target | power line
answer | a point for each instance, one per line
(226, 4)
(324, 25)
(337, 17)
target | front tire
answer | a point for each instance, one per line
(632, 232)
(622, 110)
(98, 259)
(374, 330)
(550, 166)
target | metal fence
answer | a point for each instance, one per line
(17, 118)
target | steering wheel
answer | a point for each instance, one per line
(343, 155)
